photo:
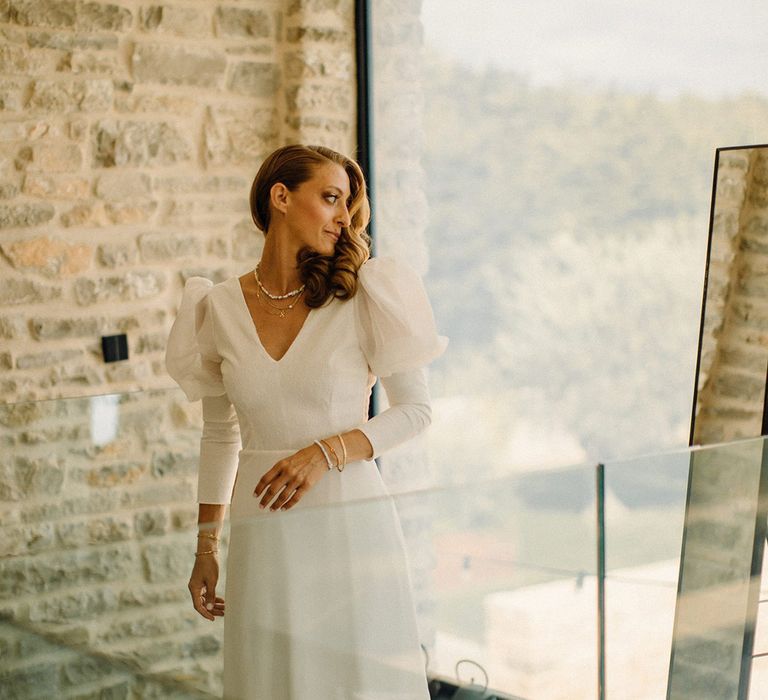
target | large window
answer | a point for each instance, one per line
(548, 166)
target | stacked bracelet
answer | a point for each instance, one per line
(325, 454)
(333, 452)
(326, 447)
(208, 551)
(210, 535)
(343, 452)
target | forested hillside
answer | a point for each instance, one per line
(568, 232)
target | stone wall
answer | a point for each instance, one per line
(735, 344)
(129, 136)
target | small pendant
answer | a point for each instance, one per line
(282, 314)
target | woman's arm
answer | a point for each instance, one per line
(205, 573)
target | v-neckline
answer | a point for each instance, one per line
(252, 324)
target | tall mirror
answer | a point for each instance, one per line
(729, 391)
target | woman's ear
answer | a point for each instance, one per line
(278, 196)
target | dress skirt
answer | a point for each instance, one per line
(318, 598)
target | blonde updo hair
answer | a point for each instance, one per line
(325, 276)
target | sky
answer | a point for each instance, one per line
(665, 47)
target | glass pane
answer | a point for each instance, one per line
(704, 503)
(513, 582)
(644, 515)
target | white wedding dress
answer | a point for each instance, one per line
(318, 598)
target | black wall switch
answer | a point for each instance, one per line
(114, 347)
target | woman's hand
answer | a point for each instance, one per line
(291, 477)
(202, 587)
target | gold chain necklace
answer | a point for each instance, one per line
(281, 309)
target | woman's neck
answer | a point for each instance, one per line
(278, 270)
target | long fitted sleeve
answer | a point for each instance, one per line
(192, 359)
(408, 414)
(219, 447)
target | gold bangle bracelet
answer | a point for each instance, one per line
(209, 535)
(209, 551)
(343, 450)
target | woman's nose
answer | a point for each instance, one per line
(344, 218)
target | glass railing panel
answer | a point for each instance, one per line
(99, 514)
(513, 581)
(644, 514)
(682, 623)
(97, 504)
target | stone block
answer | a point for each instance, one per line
(238, 136)
(151, 342)
(50, 158)
(95, 16)
(111, 475)
(117, 185)
(56, 328)
(60, 14)
(174, 464)
(326, 35)
(95, 503)
(69, 42)
(136, 284)
(23, 291)
(82, 605)
(72, 96)
(14, 60)
(189, 184)
(6, 361)
(28, 539)
(138, 143)
(27, 476)
(117, 254)
(128, 101)
(85, 670)
(243, 22)
(159, 63)
(51, 257)
(130, 212)
(319, 63)
(12, 95)
(150, 523)
(166, 562)
(176, 21)
(254, 79)
(313, 97)
(11, 327)
(35, 681)
(86, 215)
(158, 494)
(56, 187)
(48, 573)
(158, 246)
(8, 190)
(38, 360)
(25, 215)
(84, 62)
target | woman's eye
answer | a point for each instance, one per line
(335, 197)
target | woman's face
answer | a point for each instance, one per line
(317, 210)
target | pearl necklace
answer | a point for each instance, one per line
(292, 293)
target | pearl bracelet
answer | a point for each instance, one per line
(325, 454)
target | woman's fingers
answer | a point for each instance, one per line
(293, 500)
(197, 592)
(289, 494)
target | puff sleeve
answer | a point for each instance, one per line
(395, 321)
(398, 336)
(194, 363)
(191, 357)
